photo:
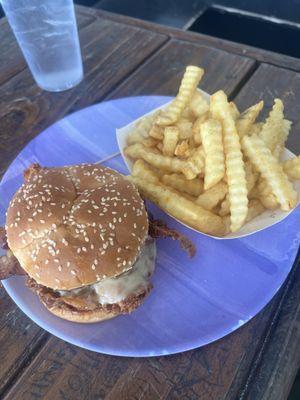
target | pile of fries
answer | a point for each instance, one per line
(210, 166)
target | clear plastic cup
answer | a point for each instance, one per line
(46, 31)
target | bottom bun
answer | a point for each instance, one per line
(101, 313)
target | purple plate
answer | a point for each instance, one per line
(194, 302)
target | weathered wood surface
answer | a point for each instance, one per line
(125, 59)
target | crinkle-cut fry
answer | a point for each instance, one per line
(189, 83)
(256, 128)
(227, 222)
(263, 192)
(141, 129)
(225, 207)
(255, 208)
(197, 125)
(198, 104)
(183, 149)
(283, 135)
(212, 197)
(234, 110)
(155, 159)
(212, 142)
(274, 126)
(181, 208)
(251, 176)
(142, 170)
(185, 128)
(292, 168)
(179, 182)
(235, 171)
(265, 163)
(149, 142)
(156, 132)
(246, 120)
(171, 136)
(194, 165)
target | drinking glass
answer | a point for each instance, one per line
(46, 31)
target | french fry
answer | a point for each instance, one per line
(235, 171)
(143, 171)
(181, 208)
(282, 138)
(171, 135)
(256, 128)
(154, 158)
(234, 110)
(156, 132)
(178, 181)
(149, 142)
(226, 222)
(274, 126)
(159, 146)
(225, 207)
(211, 137)
(198, 105)
(188, 114)
(141, 129)
(185, 128)
(246, 120)
(255, 208)
(264, 194)
(172, 164)
(264, 162)
(292, 168)
(251, 176)
(183, 149)
(197, 125)
(189, 83)
(212, 197)
(194, 165)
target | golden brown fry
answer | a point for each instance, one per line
(212, 141)
(211, 197)
(226, 222)
(189, 83)
(194, 165)
(181, 208)
(197, 125)
(198, 104)
(282, 137)
(234, 110)
(255, 209)
(263, 192)
(141, 129)
(154, 158)
(171, 136)
(235, 171)
(178, 181)
(142, 170)
(185, 128)
(292, 168)
(156, 132)
(264, 162)
(149, 142)
(183, 149)
(188, 114)
(274, 126)
(256, 128)
(251, 176)
(159, 146)
(246, 120)
(225, 207)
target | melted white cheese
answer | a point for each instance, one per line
(114, 290)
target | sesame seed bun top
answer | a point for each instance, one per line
(73, 226)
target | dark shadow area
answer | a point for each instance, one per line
(277, 37)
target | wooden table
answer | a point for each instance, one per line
(126, 57)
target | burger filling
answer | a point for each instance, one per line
(115, 290)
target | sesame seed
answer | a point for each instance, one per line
(57, 280)
(42, 221)
(119, 250)
(68, 263)
(92, 246)
(83, 248)
(73, 272)
(59, 268)
(37, 275)
(56, 260)
(93, 267)
(46, 261)
(78, 250)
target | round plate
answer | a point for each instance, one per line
(194, 301)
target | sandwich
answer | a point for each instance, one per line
(83, 238)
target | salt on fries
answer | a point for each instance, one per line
(210, 165)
